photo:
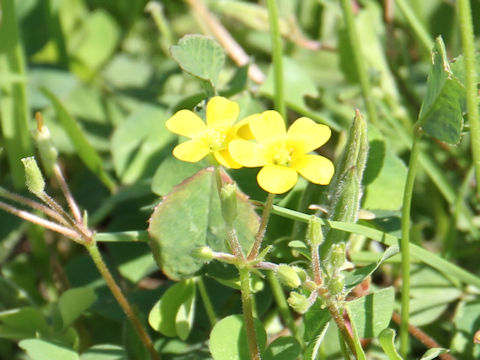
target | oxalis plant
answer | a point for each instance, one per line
(206, 227)
(236, 292)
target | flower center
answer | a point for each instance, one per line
(214, 139)
(282, 156)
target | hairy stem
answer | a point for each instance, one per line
(248, 314)
(466, 27)
(405, 240)
(262, 228)
(120, 297)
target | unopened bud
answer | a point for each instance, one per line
(46, 149)
(298, 302)
(228, 200)
(33, 176)
(336, 284)
(288, 276)
(314, 231)
(203, 253)
(336, 256)
(310, 285)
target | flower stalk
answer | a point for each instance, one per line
(247, 308)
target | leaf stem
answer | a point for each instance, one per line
(276, 40)
(358, 60)
(405, 240)
(207, 303)
(92, 249)
(466, 28)
(338, 318)
(248, 313)
(282, 304)
(267, 209)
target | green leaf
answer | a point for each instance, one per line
(200, 56)
(189, 217)
(355, 277)
(433, 353)
(441, 112)
(228, 339)
(171, 172)
(74, 302)
(104, 352)
(385, 175)
(85, 151)
(387, 341)
(372, 313)
(283, 348)
(45, 350)
(138, 142)
(185, 316)
(315, 320)
(96, 41)
(163, 316)
(22, 323)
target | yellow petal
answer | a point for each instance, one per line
(313, 135)
(186, 123)
(277, 179)
(221, 112)
(315, 168)
(247, 153)
(224, 159)
(242, 128)
(191, 151)
(268, 126)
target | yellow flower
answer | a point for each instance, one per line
(283, 154)
(212, 137)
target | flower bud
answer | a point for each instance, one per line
(310, 285)
(336, 284)
(298, 302)
(33, 176)
(228, 200)
(46, 149)
(336, 256)
(288, 276)
(314, 231)
(203, 253)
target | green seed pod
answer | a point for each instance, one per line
(46, 149)
(203, 253)
(288, 276)
(228, 200)
(336, 285)
(345, 189)
(298, 302)
(33, 176)
(314, 231)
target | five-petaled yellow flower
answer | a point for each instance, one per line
(210, 138)
(283, 154)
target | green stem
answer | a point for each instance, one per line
(277, 57)
(282, 304)
(248, 313)
(405, 240)
(466, 28)
(263, 226)
(14, 108)
(416, 25)
(207, 303)
(337, 316)
(122, 300)
(358, 60)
